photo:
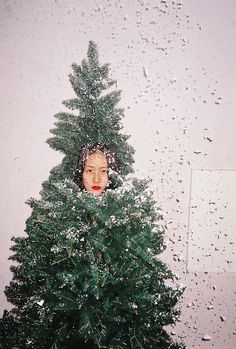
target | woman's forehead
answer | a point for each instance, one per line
(96, 156)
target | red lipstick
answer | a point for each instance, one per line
(96, 187)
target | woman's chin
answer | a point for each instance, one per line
(96, 192)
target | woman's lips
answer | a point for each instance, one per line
(96, 187)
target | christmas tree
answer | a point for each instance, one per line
(87, 272)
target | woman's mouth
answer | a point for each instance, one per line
(96, 187)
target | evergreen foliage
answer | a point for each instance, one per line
(87, 273)
(99, 117)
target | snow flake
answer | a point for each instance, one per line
(133, 305)
(223, 318)
(206, 337)
(55, 249)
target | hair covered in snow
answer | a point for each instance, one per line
(88, 149)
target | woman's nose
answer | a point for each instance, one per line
(96, 177)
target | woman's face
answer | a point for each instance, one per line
(95, 175)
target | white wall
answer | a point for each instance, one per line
(176, 67)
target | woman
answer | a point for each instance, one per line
(95, 164)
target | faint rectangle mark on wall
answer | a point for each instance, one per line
(212, 221)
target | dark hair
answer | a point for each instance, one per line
(84, 153)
